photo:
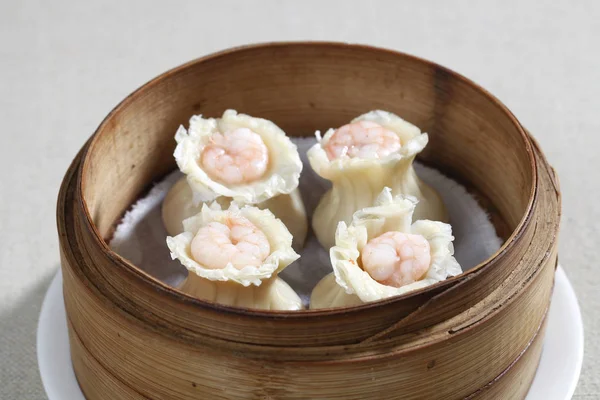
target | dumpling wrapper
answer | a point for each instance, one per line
(352, 285)
(273, 294)
(280, 241)
(356, 182)
(281, 177)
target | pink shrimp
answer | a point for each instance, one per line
(396, 258)
(234, 157)
(237, 241)
(362, 139)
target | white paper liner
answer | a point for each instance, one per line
(141, 237)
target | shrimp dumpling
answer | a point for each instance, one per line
(382, 253)
(233, 257)
(374, 151)
(236, 158)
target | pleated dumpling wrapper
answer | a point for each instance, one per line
(382, 253)
(374, 151)
(233, 257)
(236, 158)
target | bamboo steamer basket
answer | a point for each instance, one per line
(477, 335)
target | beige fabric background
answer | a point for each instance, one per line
(64, 65)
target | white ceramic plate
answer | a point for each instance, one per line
(556, 376)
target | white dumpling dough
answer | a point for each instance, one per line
(328, 294)
(356, 181)
(350, 285)
(272, 294)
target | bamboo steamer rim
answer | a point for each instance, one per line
(307, 315)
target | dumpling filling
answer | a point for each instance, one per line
(396, 258)
(235, 240)
(236, 156)
(362, 139)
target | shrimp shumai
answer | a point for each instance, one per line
(373, 151)
(233, 257)
(236, 158)
(382, 253)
